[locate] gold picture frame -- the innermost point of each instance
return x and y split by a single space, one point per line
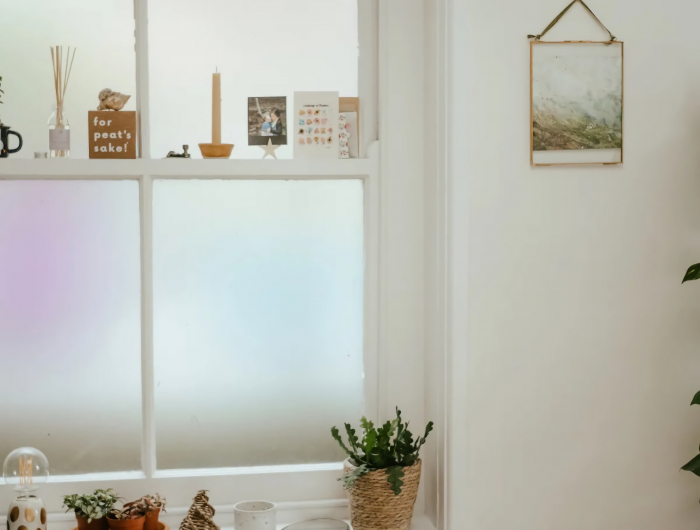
596 132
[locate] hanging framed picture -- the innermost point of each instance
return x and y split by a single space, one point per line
576 100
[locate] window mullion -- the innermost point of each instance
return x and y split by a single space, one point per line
148 435
142 78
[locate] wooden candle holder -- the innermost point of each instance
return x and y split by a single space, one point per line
216 150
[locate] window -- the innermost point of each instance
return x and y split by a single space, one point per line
102 32
181 277
70 323
269 48
258 320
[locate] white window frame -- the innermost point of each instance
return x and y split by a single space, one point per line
305 490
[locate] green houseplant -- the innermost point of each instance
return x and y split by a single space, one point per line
91 509
128 518
136 515
693 273
382 473
150 506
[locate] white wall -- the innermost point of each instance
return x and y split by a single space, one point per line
575 348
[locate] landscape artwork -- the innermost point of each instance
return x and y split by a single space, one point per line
576 96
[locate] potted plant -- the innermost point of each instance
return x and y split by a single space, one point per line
130 517
382 473
150 506
91 510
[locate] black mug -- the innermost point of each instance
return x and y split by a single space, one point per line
5 133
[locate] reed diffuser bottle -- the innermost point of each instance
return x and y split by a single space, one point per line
59 128
59 133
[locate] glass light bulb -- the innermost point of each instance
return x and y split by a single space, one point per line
26 468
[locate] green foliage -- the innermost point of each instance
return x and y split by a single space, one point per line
693 273
139 507
390 447
350 478
696 399
154 502
693 465
394 476
91 506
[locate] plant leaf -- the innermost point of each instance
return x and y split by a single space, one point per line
696 399
394 474
351 477
693 273
336 435
370 442
352 437
693 465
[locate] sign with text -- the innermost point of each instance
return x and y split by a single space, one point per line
112 134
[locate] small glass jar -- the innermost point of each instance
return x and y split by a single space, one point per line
59 133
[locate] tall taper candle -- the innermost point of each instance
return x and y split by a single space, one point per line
216 109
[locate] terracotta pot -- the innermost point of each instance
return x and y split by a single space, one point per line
95 524
152 520
126 524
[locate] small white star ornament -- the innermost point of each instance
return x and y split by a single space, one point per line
269 149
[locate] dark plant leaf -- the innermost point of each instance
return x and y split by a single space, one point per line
420 441
394 476
696 399
352 437
410 460
370 442
693 273
336 435
693 465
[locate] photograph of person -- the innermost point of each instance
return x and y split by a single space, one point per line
267 120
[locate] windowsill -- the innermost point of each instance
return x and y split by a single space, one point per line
64 521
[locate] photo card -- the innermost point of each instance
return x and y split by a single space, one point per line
267 120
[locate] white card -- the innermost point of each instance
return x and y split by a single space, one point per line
315 121
353 144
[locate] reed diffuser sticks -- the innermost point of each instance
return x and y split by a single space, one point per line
61 76
59 133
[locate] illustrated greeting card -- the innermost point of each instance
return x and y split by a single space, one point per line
316 125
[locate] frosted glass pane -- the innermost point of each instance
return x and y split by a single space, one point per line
258 320
103 33
262 48
70 323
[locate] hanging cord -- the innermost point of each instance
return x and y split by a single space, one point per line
558 18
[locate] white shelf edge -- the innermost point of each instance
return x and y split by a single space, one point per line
173 168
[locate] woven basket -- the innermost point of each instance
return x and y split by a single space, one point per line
373 506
